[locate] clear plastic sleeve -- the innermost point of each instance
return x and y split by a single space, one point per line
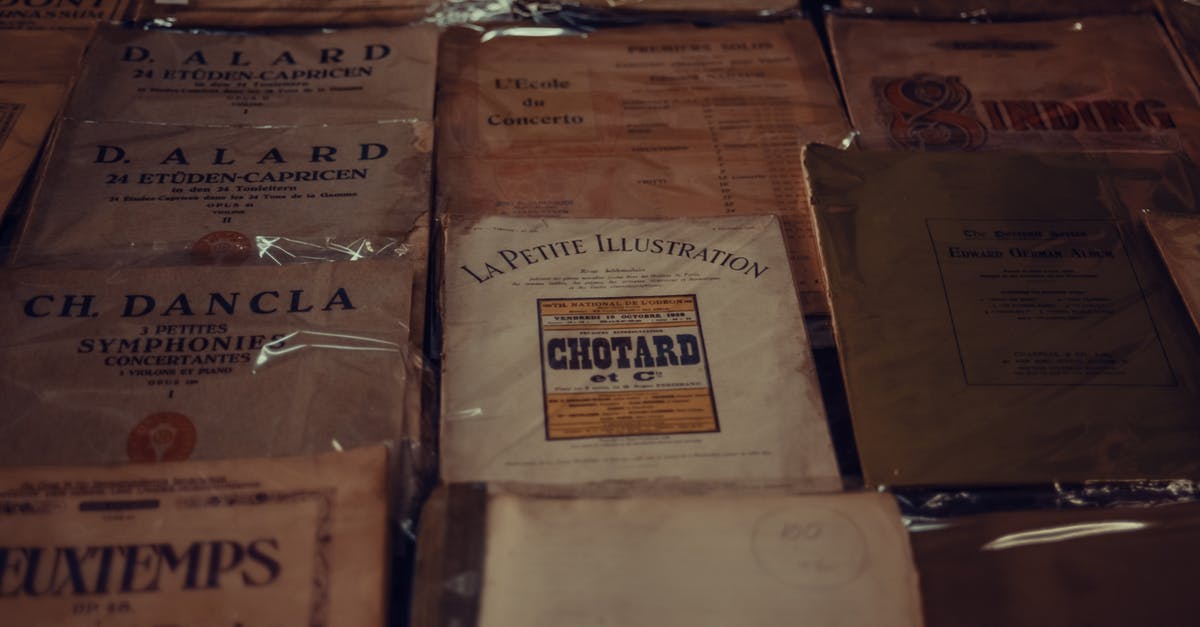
655 121
1097 567
1101 84
155 364
490 556
299 541
159 76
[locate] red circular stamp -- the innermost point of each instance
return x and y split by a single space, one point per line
162 437
222 248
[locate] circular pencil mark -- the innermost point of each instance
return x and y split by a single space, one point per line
162 437
222 248
809 546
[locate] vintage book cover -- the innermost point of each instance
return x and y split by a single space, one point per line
1101 83
259 13
984 9
1004 318
761 559
81 15
1101 568
332 77
26 112
150 364
296 541
41 56
664 121
1178 238
119 193
574 352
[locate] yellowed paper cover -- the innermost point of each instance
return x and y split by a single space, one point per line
26 113
162 365
122 192
705 561
671 121
356 75
255 13
1099 83
59 14
1002 318
983 9
1178 238
295 541
591 350
41 56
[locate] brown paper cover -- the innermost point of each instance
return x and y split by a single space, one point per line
119 193
704 375
60 14
1101 568
299 541
1098 83
26 112
258 13
41 56
355 75
1001 318
668 121
1178 238
695 560
1182 19
724 7
984 9
149 365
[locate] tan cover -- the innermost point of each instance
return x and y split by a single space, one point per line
257 13
1178 238
122 192
715 382
314 358
1099 83
1100 568
60 14
157 76
1182 18
298 541
41 56
983 9
744 7
696 561
26 112
667 121
1002 318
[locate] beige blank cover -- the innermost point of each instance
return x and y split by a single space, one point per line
297 541
353 75
148 365
570 357
750 559
1098 83
662 121
121 192
26 112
